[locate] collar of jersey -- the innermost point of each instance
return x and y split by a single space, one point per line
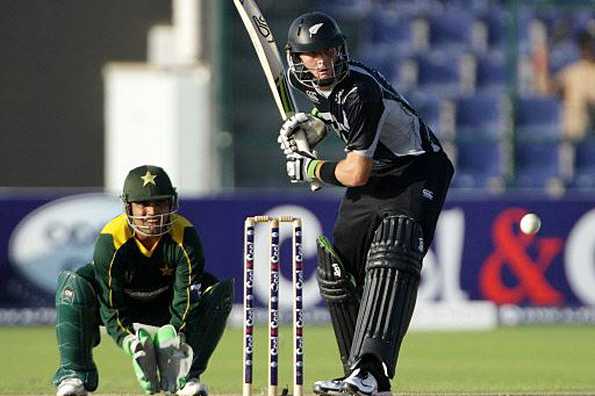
146 252
326 92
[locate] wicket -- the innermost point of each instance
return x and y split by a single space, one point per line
273 323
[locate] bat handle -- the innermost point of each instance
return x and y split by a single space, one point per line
302 145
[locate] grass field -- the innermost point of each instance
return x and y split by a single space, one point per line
527 360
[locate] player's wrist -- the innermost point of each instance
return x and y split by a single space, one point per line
327 173
312 169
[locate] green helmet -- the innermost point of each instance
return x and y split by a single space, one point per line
149 183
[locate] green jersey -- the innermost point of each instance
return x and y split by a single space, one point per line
154 286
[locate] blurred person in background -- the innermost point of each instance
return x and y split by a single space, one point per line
148 286
397 176
575 84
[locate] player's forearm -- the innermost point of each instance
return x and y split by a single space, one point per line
112 308
351 175
187 290
347 172
116 324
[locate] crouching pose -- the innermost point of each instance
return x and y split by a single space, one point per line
397 176
147 286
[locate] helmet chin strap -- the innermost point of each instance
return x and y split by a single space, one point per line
327 84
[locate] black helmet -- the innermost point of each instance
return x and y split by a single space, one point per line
149 183
313 32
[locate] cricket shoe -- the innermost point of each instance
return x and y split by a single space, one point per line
360 383
193 388
329 387
71 387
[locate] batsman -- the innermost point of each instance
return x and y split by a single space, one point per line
397 176
148 286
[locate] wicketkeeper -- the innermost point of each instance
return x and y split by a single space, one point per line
397 176
147 286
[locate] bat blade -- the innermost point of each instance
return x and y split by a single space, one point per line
267 51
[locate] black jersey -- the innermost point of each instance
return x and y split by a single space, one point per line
371 117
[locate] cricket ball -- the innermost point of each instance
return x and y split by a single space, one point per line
530 224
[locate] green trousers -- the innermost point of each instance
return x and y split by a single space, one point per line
78 321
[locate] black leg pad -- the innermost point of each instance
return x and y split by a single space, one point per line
338 289
390 290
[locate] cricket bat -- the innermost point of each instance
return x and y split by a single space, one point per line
265 46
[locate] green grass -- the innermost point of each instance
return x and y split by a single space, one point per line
526 360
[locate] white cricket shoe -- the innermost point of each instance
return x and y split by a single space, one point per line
328 387
193 388
360 383
71 387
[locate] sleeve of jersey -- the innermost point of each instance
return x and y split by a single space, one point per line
364 109
189 269
110 277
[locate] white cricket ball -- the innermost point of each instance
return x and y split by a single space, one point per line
530 223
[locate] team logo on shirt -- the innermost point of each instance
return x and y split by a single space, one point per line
166 270
128 276
314 29
342 96
313 96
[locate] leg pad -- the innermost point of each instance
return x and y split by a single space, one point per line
390 290
338 289
77 329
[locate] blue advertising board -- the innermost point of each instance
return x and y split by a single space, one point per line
478 254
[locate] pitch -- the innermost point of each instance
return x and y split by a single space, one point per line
506 361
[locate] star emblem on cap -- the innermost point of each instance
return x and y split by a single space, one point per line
148 178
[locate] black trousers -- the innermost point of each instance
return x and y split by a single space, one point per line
417 189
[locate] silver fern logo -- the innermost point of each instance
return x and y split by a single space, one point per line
314 29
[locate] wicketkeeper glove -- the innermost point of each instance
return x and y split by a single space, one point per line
174 358
301 168
313 128
144 360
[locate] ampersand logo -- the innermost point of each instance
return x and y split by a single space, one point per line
512 251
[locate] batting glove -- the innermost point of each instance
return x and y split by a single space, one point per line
313 129
301 168
144 360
